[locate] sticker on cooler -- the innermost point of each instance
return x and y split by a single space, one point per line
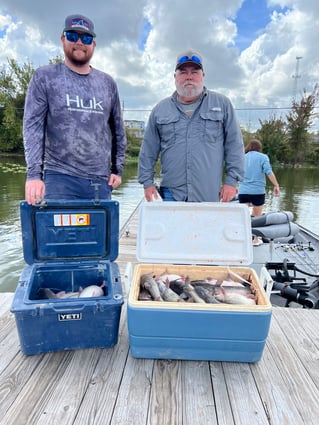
70 316
71 219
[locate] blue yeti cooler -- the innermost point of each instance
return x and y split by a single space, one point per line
68 246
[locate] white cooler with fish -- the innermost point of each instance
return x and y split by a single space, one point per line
70 294
204 244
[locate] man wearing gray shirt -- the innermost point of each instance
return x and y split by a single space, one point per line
73 130
197 137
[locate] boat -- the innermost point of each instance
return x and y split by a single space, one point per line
287 260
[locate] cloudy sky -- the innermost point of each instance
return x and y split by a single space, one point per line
249 46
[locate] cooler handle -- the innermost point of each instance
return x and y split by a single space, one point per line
266 281
128 277
68 308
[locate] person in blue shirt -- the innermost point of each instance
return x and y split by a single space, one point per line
252 189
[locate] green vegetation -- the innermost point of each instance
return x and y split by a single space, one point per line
14 80
133 148
287 140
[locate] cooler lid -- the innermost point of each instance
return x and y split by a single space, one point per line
210 233
72 230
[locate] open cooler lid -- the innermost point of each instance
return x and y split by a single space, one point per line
72 230
210 233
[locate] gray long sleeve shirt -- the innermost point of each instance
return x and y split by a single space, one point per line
73 124
194 151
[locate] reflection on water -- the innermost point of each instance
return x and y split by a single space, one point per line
299 194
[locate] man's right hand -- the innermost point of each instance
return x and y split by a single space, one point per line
34 191
151 194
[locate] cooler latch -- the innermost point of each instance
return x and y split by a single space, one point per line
96 192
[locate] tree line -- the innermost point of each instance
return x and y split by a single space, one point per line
286 139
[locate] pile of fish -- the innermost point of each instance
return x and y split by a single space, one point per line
175 288
87 292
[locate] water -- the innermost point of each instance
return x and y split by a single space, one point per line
299 194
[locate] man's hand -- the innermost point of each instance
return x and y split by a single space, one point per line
151 194
115 180
227 193
34 191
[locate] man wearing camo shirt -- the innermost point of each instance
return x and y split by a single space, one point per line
73 130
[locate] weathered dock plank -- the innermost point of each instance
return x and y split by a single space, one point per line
198 394
109 386
246 405
279 406
133 396
291 362
223 409
166 400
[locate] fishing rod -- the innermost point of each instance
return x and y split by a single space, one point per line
296 249
309 261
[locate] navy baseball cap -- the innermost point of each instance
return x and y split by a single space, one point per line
79 23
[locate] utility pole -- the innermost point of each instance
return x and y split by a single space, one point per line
295 77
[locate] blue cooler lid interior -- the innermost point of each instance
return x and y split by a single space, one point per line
70 231
209 233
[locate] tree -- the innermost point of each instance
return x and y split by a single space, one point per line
14 81
57 59
11 130
273 137
299 121
21 75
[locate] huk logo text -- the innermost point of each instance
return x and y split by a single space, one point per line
78 103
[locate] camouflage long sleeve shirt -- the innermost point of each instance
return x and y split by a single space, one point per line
73 124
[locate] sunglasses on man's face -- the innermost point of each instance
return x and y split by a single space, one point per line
74 36
189 58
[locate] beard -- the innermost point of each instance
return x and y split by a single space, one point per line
189 89
77 60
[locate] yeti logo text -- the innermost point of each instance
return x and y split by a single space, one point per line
78 103
69 316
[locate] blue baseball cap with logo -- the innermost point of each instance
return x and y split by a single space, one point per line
79 23
189 56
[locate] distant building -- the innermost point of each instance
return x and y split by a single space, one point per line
135 127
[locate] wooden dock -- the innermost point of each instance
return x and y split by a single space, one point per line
109 386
